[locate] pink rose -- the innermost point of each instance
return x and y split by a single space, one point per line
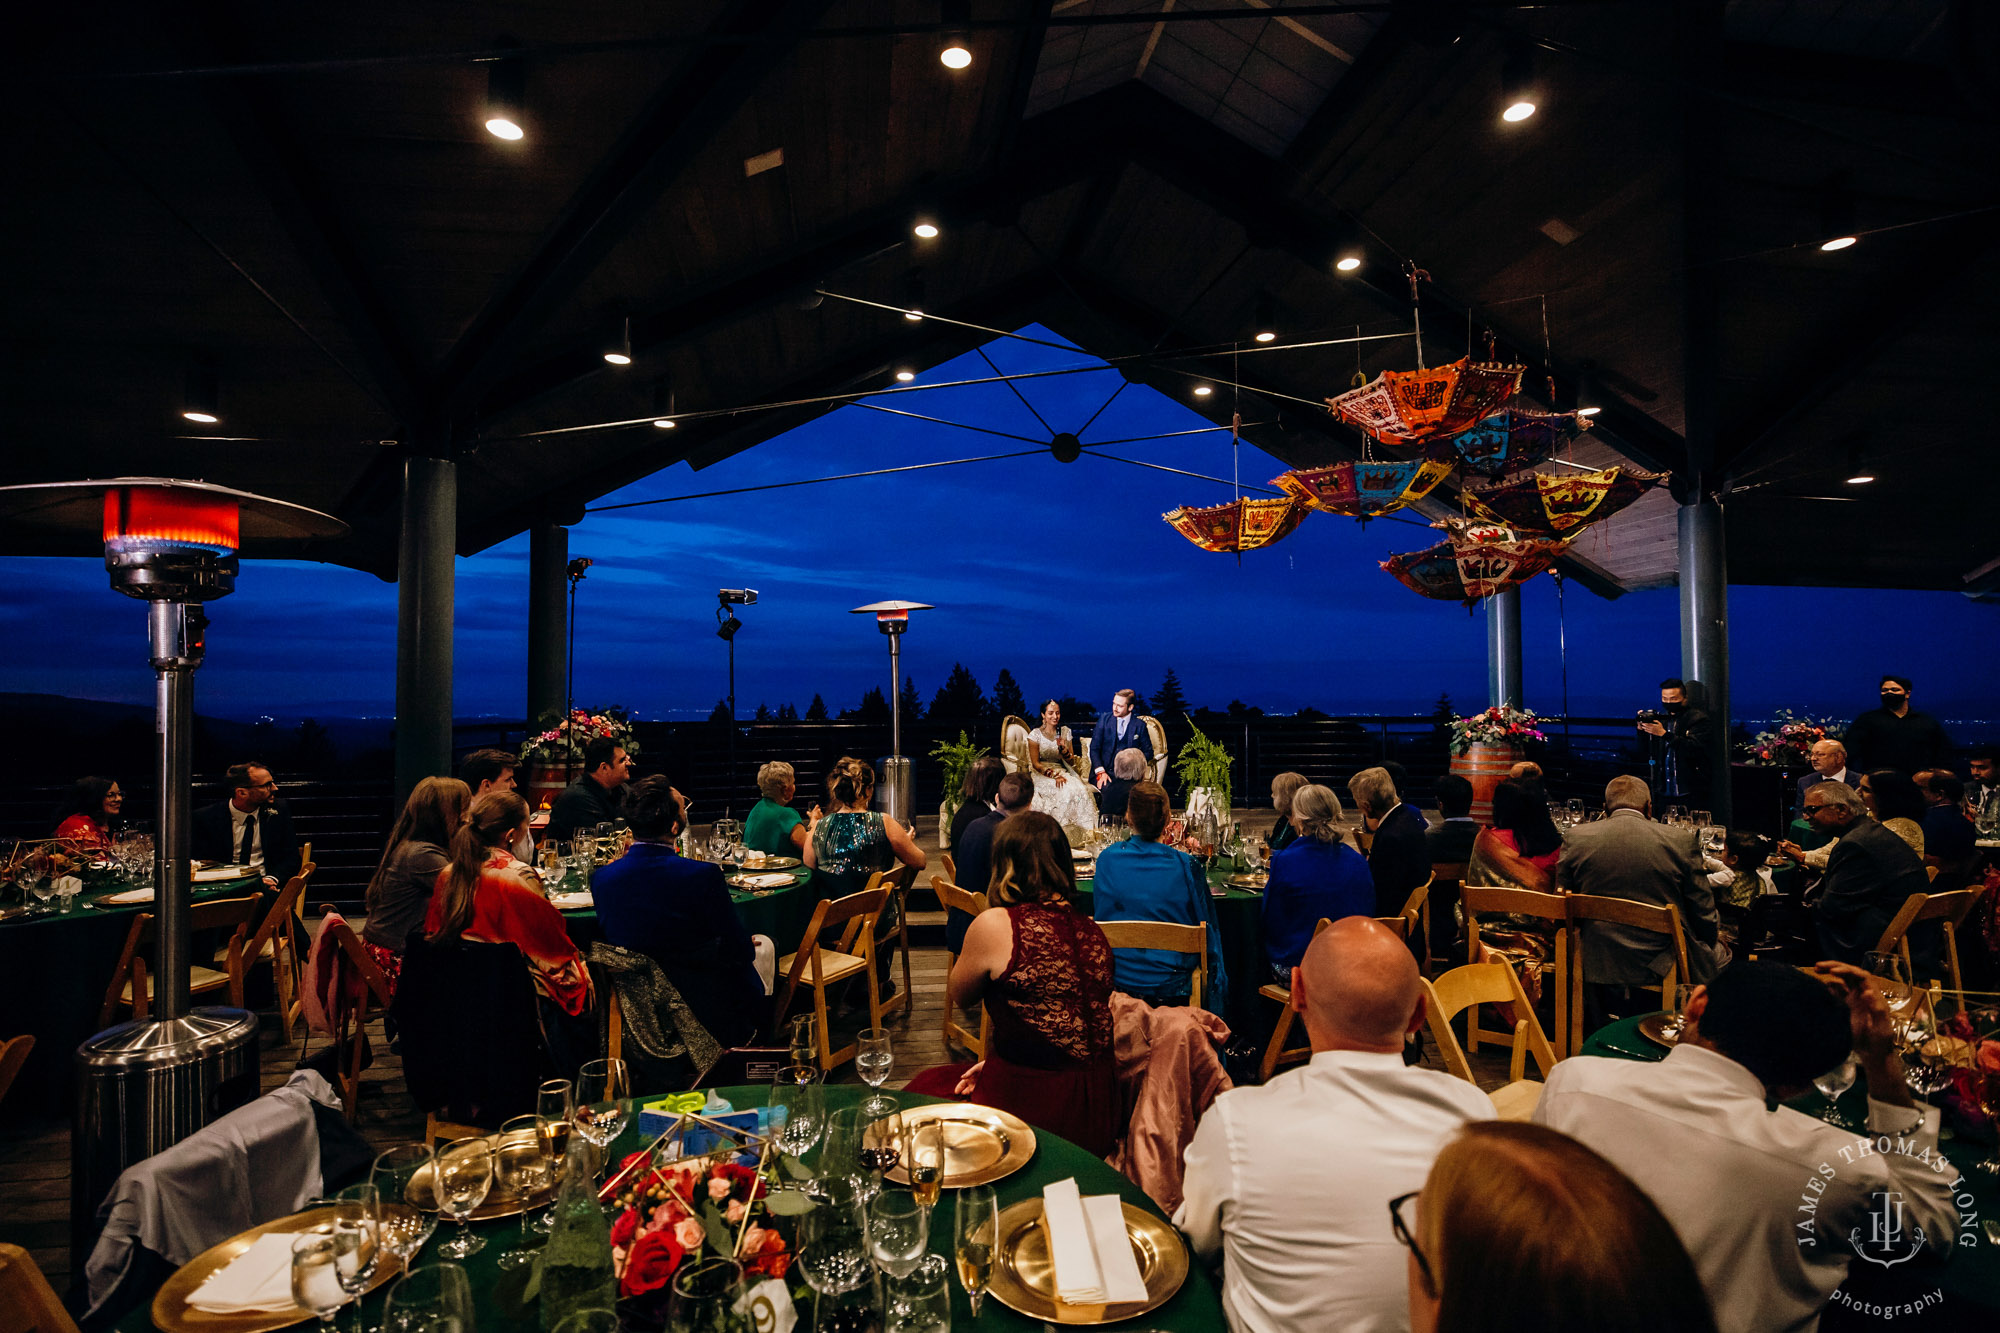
690 1233
718 1188
734 1212
753 1240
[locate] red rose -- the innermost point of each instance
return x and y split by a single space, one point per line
626 1227
652 1262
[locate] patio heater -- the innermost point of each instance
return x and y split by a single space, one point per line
143 1086
893 791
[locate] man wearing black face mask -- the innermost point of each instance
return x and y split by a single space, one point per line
1896 735
1682 733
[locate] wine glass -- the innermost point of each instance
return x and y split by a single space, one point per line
804 1107
705 1297
975 1228
522 1169
356 1228
874 1060
833 1239
919 1301
881 1150
406 1222
589 1321
1831 1084
554 1117
436 1298
461 1177
316 1275
1574 808
583 849
1928 1061
842 1153
1678 1023
899 1229
601 1089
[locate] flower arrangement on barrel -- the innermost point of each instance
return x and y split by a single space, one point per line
1498 725
1787 743
553 743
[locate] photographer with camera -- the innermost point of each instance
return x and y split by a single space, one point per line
1678 745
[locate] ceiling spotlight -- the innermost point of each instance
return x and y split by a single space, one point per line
1588 411
1517 84
905 376
1836 217
506 82
1837 243
956 15
619 353
925 229
1861 477
1266 329
913 296
198 395
1203 390
666 423
663 403
1348 263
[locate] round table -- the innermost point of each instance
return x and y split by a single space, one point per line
1972 1278
783 914
1239 915
54 970
1195 1308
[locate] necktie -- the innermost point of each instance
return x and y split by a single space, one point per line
249 839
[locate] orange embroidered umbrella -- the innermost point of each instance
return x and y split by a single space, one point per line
1413 405
1476 561
1240 525
1541 504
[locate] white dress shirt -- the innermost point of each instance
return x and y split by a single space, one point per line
1735 1179
1291 1181
237 819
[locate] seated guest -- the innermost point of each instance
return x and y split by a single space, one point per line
493 770
1059 791
774 828
1043 971
1014 793
1950 839
1399 857
1627 855
975 796
1522 847
1451 841
1982 766
405 879
1317 876
1117 730
1895 803
598 797
1521 1227
1696 1132
484 894
1739 875
1869 876
1140 879
1829 764
1288 1182
250 828
678 912
851 842
1128 769
1283 788
90 813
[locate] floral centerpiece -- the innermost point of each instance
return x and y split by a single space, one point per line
1498 725
558 737
1787 743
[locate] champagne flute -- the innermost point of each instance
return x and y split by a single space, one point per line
705 1295
975 1227
874 1060
316 1276
805 1042
554 1115
356 1228
406 1223
924 1154
919 1301
522 1169
1831 1085
461 1177
601 1089
899 1231
436 1298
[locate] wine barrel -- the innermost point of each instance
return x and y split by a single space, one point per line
542 783
1485 766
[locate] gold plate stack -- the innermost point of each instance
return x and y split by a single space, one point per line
981 1144
173 1314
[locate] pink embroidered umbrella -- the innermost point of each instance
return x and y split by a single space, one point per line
1413 405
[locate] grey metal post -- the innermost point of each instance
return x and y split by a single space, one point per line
1503 647
548 557
424 620
895 696
1705 634
168 629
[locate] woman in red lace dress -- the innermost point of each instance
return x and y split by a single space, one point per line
1043 970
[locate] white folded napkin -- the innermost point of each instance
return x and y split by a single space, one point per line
771 880
572 902
260 1278
1093 1257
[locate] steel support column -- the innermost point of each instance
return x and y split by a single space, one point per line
1503 648
424 620
1705 635
548 619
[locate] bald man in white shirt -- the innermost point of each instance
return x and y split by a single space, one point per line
1291 1181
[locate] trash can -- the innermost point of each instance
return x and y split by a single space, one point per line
143 1087
893 789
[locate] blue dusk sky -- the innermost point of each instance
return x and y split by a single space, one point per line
1062 573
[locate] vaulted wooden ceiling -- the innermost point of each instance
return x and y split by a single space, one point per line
304 197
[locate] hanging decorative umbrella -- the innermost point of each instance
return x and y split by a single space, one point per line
1477 560
1541 504
1368 488
1413 405
1242 524
1514 438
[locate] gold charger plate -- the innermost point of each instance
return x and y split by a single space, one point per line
1653 1027
501 1201
1024 1276
173 1314
981 1144
1248 879
774 863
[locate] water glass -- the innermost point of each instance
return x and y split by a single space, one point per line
975 1228
919 1301
841 1155
555 1117
461 1177
316 1275
705 1298
1831 1084
833 1240
875 1060
355 1225
436 1298
899 1231
522 1169
407 1220
804 1113
601 1089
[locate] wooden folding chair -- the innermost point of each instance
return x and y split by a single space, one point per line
1275 1052
897 881
1662 919
951 896
351 1022
28 1304
13 1054
1551 907
1417 908
820 968
1169 937
275 943
1447 877
130 984
1950 908
1400 925
950 869
1475 984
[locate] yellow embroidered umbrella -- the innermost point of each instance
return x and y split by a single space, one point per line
1240 525
1543 504
1413 405
1369 488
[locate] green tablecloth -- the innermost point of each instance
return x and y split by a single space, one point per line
1239 915
1972 1278
54 971
1195 1308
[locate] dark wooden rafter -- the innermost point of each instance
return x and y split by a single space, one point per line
1021 78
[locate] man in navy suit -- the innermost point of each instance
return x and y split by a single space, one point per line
1121 729
1829 764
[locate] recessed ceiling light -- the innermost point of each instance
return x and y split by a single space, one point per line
905 376
619 352
925 230
1588 411
506 89
1202 390
1517 84
913 315
1518 111
1861 478
1348 263
205 418
200 396
1267 336
955 56
502 128
666 423
1838 243
618 358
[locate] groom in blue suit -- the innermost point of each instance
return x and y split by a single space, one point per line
1121 729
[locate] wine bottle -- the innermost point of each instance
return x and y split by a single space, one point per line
576 1263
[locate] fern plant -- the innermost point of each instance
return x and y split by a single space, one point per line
956 758
1204 763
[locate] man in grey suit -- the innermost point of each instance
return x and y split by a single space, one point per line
1869 877
1627 855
